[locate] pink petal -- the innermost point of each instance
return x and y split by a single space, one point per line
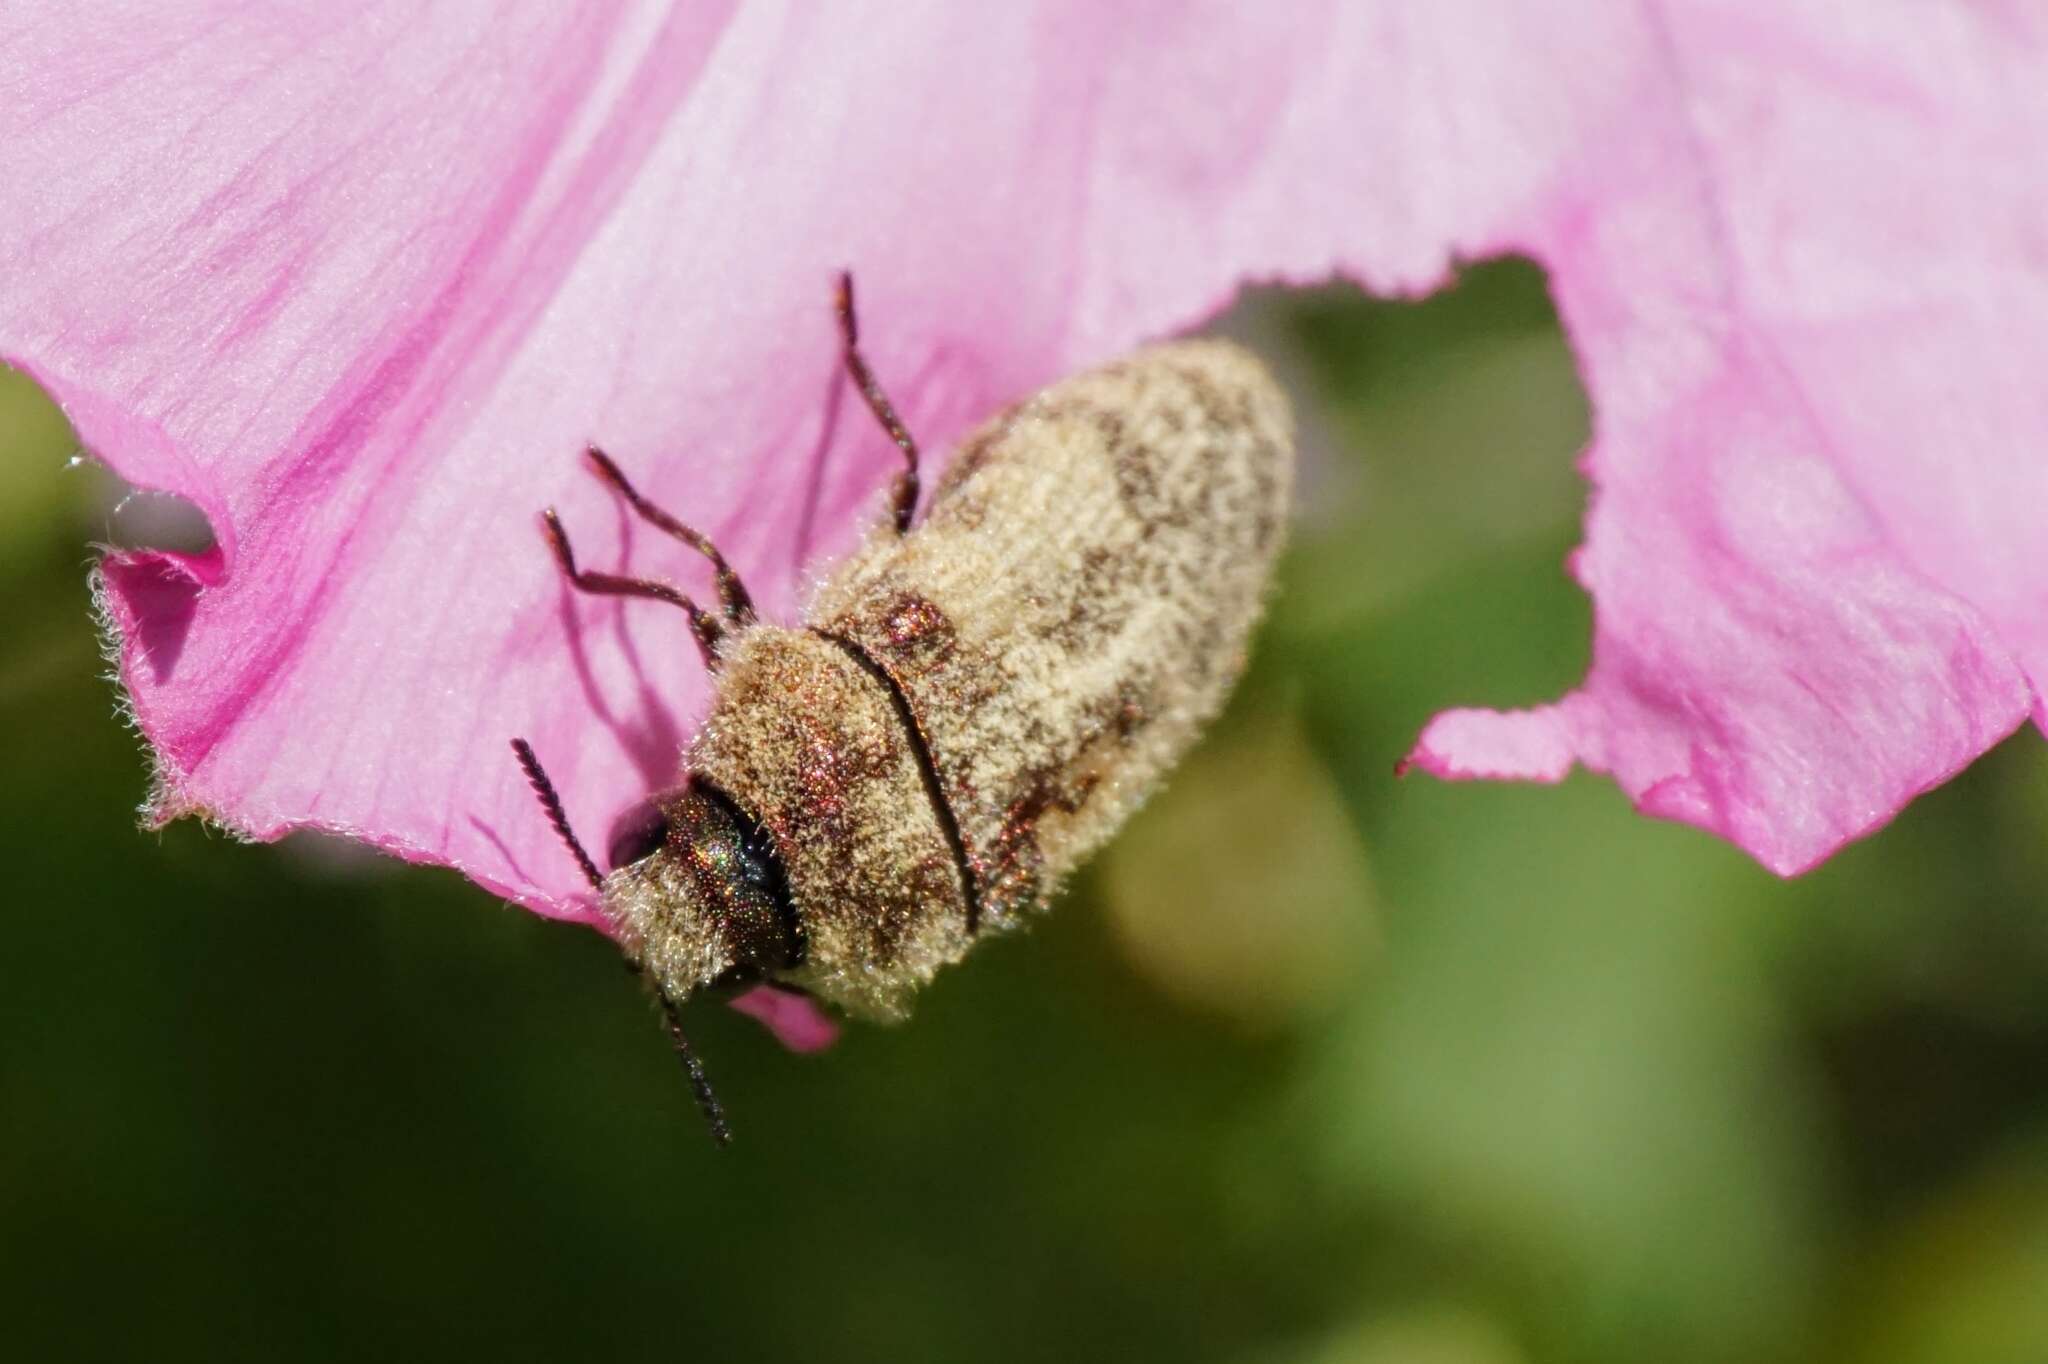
1812 305
796 1021
361 287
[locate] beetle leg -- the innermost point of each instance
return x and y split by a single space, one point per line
709 630
735 604
906 488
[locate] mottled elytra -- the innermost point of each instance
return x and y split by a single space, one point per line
970 705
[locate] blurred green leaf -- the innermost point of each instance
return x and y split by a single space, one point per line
1242 890
1967 1281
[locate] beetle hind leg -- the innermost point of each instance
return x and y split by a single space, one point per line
904 497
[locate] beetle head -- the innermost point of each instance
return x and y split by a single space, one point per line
699 895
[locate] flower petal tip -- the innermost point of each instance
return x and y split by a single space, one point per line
796 1020
1466 745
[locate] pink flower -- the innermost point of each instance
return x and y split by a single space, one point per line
362 286
1808 285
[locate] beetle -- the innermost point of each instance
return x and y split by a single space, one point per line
972 702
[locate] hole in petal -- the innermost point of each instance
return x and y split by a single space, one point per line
163 555
1439 453
316 852
142 518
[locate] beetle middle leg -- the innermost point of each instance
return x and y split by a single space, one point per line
709 630
906 488
735 604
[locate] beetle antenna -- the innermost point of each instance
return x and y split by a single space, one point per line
700 1083
552 803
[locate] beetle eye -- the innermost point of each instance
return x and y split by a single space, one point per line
639 833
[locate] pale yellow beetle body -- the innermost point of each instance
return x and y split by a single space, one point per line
971 704
971 707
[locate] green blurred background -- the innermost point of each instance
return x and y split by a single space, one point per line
1314 1065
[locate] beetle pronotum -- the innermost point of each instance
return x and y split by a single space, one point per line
972 703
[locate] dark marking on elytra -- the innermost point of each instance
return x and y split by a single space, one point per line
1267 518
1013 868
1108 424
927 768
1015 865
968 460
833 768
920 634
1136 469
1223 411
1098 602
1133 712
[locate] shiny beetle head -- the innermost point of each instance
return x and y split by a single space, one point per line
700 897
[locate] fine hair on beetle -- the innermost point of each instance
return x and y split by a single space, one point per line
973 702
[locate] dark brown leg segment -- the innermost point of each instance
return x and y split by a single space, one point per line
878 402
708 630
736 605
